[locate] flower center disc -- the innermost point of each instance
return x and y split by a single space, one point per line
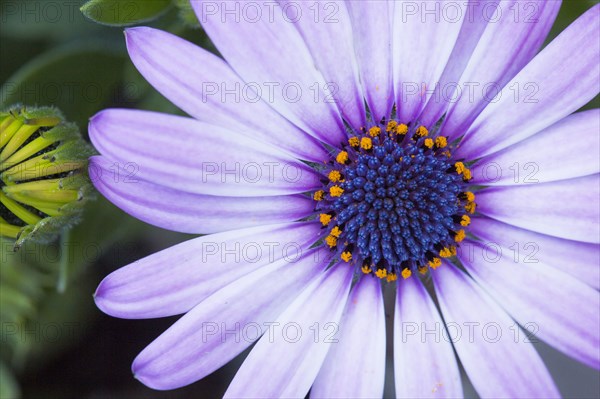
394 200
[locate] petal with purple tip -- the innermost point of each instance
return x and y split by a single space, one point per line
186 212
224 324
176 279
204 86
286 361
187 155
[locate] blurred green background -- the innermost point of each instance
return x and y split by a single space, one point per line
54 342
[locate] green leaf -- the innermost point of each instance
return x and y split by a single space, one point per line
9 388
122 13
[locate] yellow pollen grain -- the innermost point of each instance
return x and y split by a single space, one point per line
441 142
391 277
354 141
470 196
346 256
406 273
460 235
374 131
366 269
423 269
467 174
336 232
366 143
324 219
470 207
428 143
465 221
335 176
446 253
460 167
342 157
401 129
331 241
422 131
318 195
336 191
381 273
435 263
391 126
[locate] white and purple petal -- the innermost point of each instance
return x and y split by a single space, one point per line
496 355
355 364
424 362
264 47
225 323
550 155
578 259
551 304
566 208
186 212
540 95
187 155
204 86
496 60
326 28
373 46
287 359
176 279
424 35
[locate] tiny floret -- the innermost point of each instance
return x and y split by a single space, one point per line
366 143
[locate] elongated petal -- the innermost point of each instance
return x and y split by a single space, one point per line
326 28
447 89
498 365
355 365
276 57
205 87
424 363
224 324
579 259
187 155
373 46
558 81
569 321
497 60
285 363
547 156
566 209
176 279
186 212
419 54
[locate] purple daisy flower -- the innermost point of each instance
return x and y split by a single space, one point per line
344 150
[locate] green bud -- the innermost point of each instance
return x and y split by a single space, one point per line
43 174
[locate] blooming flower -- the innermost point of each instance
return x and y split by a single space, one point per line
359 145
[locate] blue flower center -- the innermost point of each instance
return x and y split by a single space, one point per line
395 201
